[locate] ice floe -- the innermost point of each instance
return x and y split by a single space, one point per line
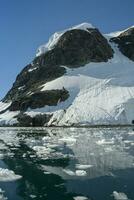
8 175
79 166
120 196
2 196
81 198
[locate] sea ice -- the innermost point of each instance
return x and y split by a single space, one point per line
120 196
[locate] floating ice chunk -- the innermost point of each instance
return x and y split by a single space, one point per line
81 173
32 156
52 145
24 155
108 149
79 166
68 140
8 175
81 198
46 138
41 150
105 142
46 172
131 133
120 196
2 195
127 141
33 196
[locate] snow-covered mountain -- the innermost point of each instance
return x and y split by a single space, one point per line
80 77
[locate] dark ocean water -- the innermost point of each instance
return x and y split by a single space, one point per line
67 164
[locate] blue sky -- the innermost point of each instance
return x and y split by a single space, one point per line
25 24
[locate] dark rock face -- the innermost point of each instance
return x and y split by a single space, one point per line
39 120
125 42
39 99
80 47
31 81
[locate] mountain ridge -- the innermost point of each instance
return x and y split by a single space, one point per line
83 77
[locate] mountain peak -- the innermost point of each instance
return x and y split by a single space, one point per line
83 26
117 33
56 36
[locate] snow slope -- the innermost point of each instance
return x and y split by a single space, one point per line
4 106
7 117
117 33
100 93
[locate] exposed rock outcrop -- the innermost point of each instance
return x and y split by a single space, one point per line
28 81
39 99
38 120
125 42
78 47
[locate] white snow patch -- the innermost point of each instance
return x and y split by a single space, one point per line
8 117
21 88
117 33
83 26
29 93
4 106
32 69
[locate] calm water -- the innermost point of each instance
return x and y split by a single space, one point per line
67 164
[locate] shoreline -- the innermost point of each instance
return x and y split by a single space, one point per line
74 126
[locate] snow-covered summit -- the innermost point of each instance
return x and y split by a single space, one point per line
83 26
117 33
56 36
